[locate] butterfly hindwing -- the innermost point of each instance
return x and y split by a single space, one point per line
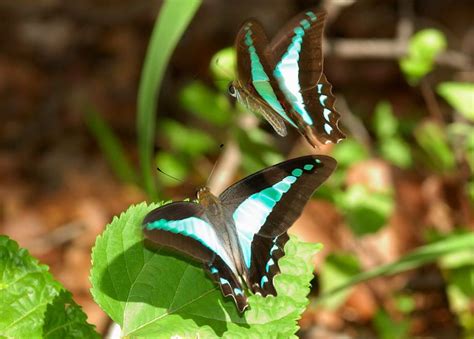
264 267
268 202
228 282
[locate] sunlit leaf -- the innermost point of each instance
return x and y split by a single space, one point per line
460 95
186 140
206 104
32 303
396 151
385 123
349 152
160 294
171 165
433 141
388 328
366 211
337 269
223 67
424 47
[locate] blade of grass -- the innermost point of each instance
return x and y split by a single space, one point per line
172 20
421 256
110 146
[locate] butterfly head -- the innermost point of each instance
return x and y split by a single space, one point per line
206 198
232 89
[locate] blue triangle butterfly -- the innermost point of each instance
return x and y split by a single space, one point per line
283 79
242 232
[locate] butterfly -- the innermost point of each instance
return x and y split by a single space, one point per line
283 80
241 233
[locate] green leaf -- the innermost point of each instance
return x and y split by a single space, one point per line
160 294
171 165
32 303
206 104
388 328
433 141
460 95
396 151
337 269
419 257
26 289
349 152
182 139
423 49
223 67
385 123
110 146
65 319
366 211
172 20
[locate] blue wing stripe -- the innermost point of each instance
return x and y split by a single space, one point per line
196 229
260 79
287 70
252 213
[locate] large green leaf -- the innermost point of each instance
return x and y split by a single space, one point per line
172 20
160 294
32 303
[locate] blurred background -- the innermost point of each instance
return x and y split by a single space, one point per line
82 132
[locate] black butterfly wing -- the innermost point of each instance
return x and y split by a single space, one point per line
264 205
184 227
298 69
259 91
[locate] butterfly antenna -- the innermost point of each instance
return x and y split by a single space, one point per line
168 175
214 167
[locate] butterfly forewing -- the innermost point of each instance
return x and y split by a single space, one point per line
265 204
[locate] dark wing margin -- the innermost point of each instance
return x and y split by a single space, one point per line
313 170
228 283
319 102
264 267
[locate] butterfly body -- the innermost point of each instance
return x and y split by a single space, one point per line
283 80
240 235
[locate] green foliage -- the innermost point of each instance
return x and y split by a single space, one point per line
433 142
172 20
65 319
458 270
337 269
392 147
206 104
223 67
110 146
33 304
349 153
366 212
387 328
172 165
460 95
182 139
423 49
421 256
158 294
